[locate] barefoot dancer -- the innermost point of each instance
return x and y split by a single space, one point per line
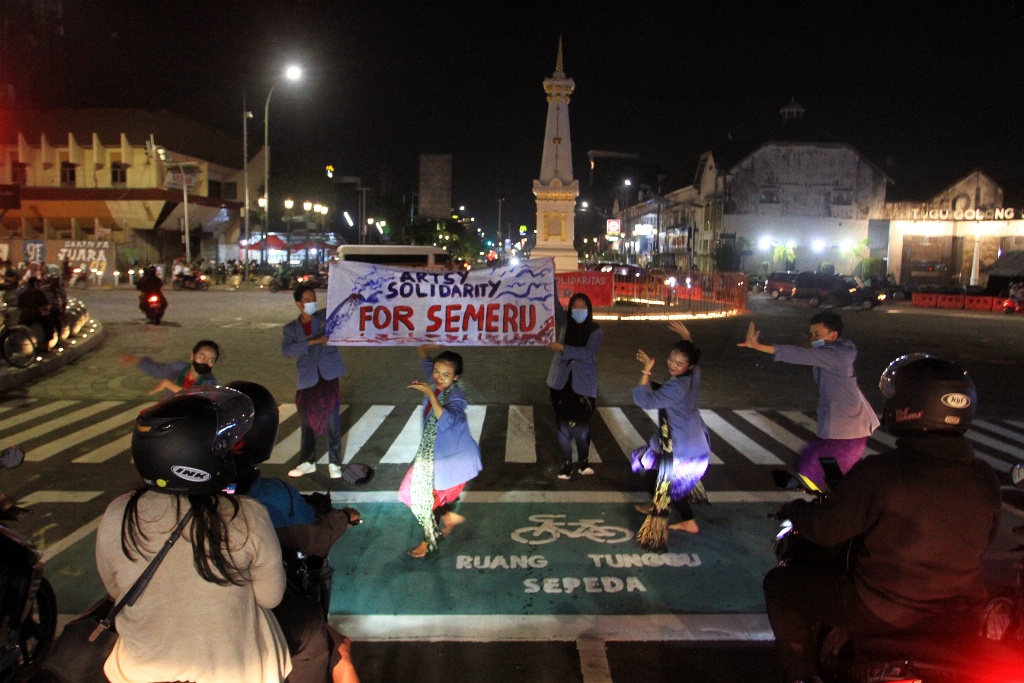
448 456
682 444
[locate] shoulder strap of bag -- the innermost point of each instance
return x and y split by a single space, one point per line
140 584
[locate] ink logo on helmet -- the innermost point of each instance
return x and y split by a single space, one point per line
190 473
956 400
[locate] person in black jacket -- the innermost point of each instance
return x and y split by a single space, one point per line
923 516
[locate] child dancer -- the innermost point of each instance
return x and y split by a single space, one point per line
447 457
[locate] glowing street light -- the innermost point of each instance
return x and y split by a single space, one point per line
293 73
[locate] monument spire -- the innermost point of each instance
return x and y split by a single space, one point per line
556 189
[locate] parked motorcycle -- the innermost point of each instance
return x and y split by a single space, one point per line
28 626
943 654
1013 306
153 305
199 282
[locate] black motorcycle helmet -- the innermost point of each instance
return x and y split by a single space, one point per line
258 443
924 393
182 445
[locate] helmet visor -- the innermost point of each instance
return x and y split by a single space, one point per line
887 382
234 413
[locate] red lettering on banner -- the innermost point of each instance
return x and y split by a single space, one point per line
435 320
403 315
365 313
473 313
527 322
510 318
451 318
381 317
492 317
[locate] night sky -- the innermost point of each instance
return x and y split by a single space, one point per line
921 88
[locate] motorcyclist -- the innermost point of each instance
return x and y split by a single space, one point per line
319 653
150 282
923 514
204 615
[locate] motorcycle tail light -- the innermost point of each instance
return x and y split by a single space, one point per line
154 299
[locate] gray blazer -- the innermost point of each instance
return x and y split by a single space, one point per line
581 361
843 412
312 362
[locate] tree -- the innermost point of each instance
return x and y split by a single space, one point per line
784 254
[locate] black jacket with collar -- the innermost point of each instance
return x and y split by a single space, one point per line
924 514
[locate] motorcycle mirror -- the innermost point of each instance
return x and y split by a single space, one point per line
1017 474
11 457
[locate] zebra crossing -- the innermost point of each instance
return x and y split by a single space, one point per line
71 433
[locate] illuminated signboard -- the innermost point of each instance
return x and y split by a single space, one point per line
613 227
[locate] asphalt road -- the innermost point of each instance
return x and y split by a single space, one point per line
739 385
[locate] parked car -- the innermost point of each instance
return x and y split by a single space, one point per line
827 289
780 284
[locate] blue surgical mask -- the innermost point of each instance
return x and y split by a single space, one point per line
579 315
309 308
817 343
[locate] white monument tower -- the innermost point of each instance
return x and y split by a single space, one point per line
556 190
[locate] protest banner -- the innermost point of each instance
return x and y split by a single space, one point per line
596 285
375 305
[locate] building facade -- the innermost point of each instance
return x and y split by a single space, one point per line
117 176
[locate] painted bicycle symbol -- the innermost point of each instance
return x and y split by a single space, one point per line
548 530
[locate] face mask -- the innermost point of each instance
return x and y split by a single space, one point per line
817 343
309 308
201 368
579 315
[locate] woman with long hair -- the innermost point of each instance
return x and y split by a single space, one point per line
681 448
572 380
205 616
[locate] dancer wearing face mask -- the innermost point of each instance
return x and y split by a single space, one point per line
572 380
318 398
845 418
196 371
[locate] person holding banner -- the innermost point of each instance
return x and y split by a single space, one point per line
572 380
318 398
680 450
447 457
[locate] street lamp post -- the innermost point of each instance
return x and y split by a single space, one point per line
293 73
246 115
288 205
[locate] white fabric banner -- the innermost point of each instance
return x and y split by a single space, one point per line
373 305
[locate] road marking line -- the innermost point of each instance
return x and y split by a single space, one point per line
356 437
996 463
54 447
996 429
625 434
544 627
104 453
15 404
53 425
63 544
563 497
403 448
45 409
50 496
995 444
1016 423
288 447
593 660
746 446
774 430
712 459
812 425
521 435
475 419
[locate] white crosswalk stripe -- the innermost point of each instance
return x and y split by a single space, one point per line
754 451
756 437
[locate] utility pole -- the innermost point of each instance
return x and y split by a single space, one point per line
501 200
246 115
